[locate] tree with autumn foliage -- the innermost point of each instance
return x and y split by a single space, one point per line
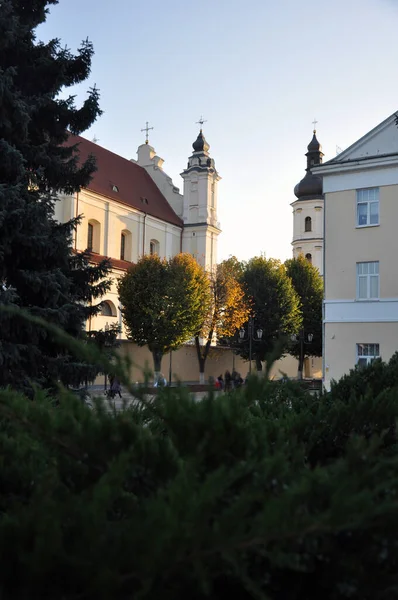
164 302
228 310
308 285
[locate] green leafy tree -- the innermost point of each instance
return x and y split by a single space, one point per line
268 492
38 269
164 302
308 284
228 309
275 307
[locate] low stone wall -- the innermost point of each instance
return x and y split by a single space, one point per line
185 367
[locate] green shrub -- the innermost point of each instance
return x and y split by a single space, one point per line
267 492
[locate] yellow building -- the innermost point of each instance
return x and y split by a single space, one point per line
132 208
360 188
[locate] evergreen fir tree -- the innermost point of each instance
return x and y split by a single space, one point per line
38 269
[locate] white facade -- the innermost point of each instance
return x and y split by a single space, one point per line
197 206
308 230
126 214
361 271
153 164
201 226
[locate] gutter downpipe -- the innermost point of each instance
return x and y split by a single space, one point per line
77 214
143 235
324 292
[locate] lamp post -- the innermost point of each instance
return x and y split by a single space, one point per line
106 331
303 339
251 338
170 367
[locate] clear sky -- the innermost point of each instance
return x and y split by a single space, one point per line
259 71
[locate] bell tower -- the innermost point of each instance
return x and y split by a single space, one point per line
201 226
308 209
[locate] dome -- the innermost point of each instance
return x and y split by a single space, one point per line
200 144
314 145
309 187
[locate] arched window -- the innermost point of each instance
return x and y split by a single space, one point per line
125 245
308 224
90 236
93 236
153 247
108 309
309 258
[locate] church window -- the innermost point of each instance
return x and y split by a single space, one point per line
115 188
93 236
108 309
90 236
308 224
125 245
153 247
309 257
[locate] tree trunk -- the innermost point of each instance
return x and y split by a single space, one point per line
202 356
157 362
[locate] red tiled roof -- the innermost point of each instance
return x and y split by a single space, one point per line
132 181
116 263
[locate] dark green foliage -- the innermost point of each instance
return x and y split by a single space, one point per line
267 493
275 306
38 269
308 285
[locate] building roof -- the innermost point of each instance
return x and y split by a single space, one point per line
116 263
310 187
124 181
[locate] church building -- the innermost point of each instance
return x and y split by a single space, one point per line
308 210
131 208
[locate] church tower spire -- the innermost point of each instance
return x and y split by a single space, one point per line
201 227
308 209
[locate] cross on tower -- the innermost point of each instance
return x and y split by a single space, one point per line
146 129
314 122
201 121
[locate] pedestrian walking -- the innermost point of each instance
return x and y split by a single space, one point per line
116 388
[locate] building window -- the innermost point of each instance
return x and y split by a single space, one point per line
93 236
153 247
308 224
368 280
122 246
309 258
108 309
367 353
90 237
367 207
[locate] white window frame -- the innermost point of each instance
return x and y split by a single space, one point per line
366 197
367 352
368 277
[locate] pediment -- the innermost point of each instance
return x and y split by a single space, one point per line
382 140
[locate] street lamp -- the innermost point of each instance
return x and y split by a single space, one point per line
303 340
251 338
106 331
